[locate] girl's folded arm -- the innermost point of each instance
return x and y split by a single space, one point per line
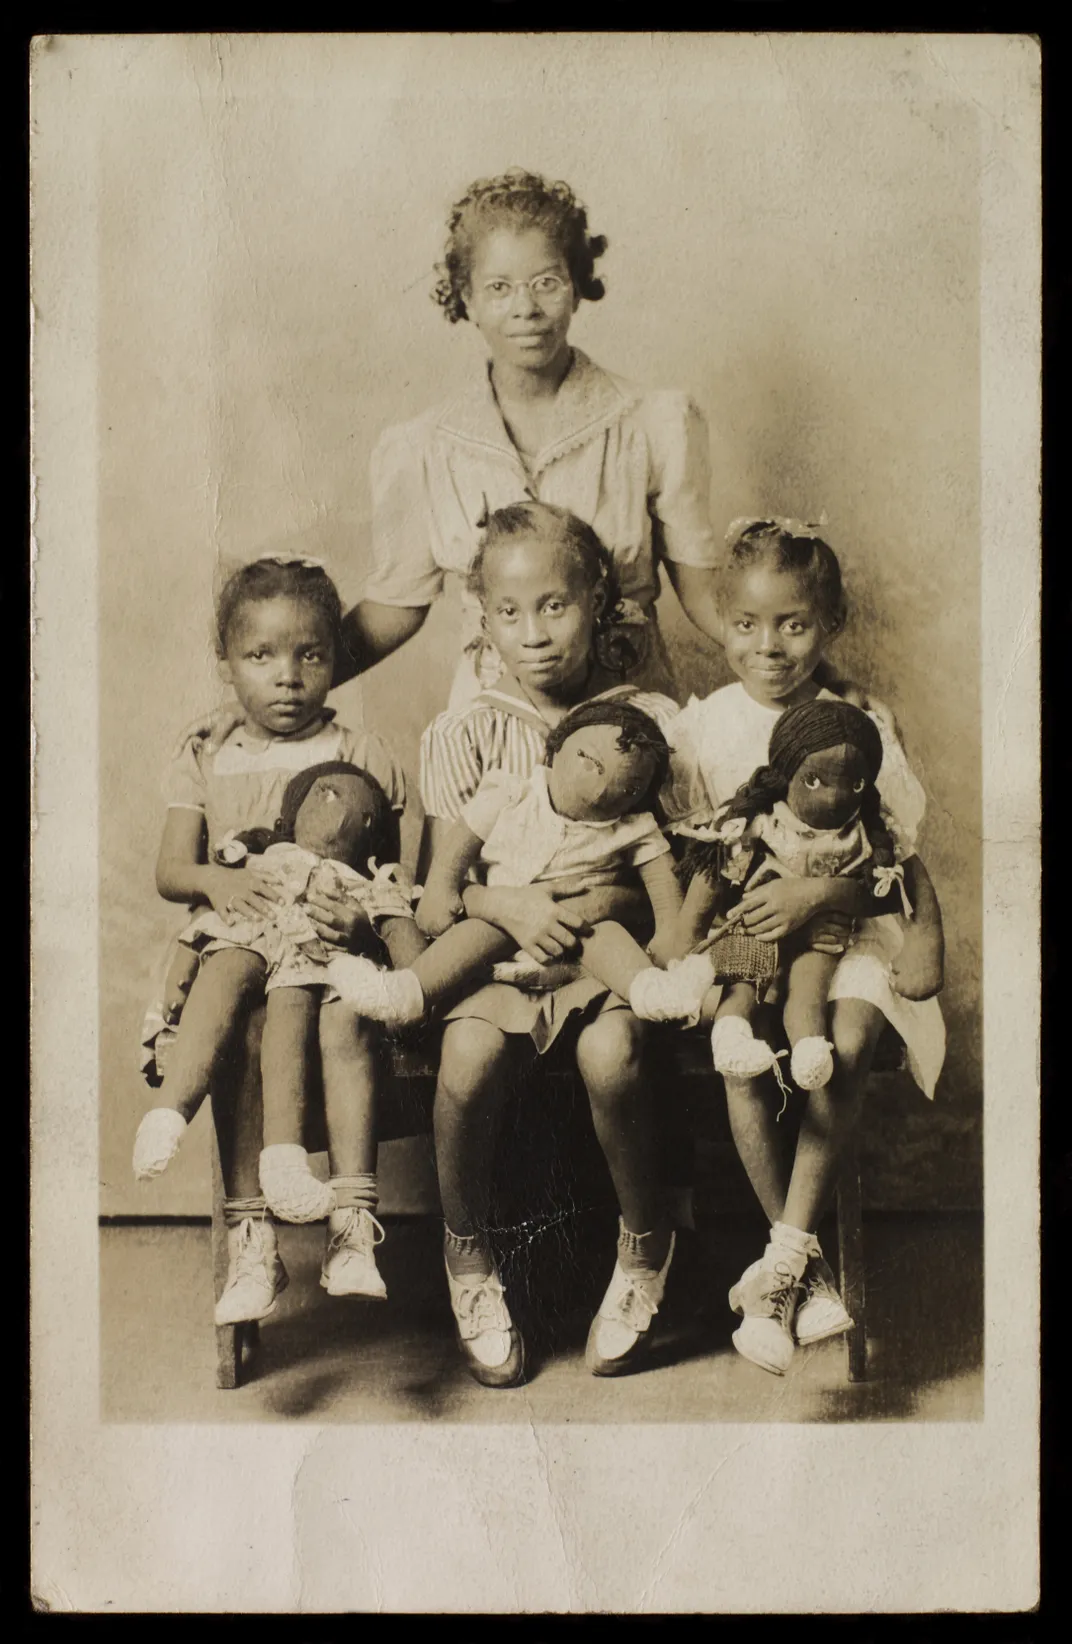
918 970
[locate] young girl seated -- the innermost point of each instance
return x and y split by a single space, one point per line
584 813
813 811
782 602
277 628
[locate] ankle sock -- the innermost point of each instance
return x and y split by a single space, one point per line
355 1192
239 1210
468 1255
637 1248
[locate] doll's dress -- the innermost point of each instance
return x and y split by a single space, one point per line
288 941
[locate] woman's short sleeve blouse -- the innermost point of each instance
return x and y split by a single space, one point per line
632 462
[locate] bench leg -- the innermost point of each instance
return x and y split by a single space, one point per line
234 1342
851 1262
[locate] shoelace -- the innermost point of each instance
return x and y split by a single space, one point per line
250 1258
352 1233
781 1293
481 1307
635 1307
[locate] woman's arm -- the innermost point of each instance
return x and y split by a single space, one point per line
695 588
372 631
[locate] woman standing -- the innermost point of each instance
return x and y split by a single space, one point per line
541 422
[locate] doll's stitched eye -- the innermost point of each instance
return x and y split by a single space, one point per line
858 787
812 783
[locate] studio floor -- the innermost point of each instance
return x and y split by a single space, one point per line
325 1360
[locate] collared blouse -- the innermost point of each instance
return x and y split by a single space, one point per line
632 462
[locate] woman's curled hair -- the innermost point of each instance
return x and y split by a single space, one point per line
520 200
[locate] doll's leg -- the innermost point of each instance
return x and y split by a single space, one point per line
213 1015
351 1057
610 1057
833 1112
401 998
471 1092
808 980
288 1050
614 958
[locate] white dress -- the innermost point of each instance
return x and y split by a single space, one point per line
721 740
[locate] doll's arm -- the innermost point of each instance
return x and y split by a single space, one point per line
695 915
918 970
441 905
664 894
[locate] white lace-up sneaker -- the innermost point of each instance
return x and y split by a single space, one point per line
489 1341
821 1312
255 1275
768 1294
349 1267
622 1330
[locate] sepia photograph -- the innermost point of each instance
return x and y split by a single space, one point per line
536 554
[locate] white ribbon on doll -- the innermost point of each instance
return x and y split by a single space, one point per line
886 878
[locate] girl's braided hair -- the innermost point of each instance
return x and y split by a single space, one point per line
636 729
544 519
383 834
277 577
517 199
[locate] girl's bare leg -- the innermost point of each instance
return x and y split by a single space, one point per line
471 1093
212 1017
352 1064
753 1105
832 1113
610 1054
237 1110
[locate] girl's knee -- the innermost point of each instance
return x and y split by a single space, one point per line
610 1050
855 1033
472 1056
340 1028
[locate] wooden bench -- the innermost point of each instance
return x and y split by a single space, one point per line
407 1108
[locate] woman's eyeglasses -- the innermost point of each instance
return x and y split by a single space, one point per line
546 289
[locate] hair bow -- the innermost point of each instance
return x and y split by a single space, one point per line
791 527
306 561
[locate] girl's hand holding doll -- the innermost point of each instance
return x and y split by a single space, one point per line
773 910
249 892
336 918
538 924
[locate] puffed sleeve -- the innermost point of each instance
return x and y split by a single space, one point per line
679 500
372 754
497 790
687 803
404 571
451 765
903 800
185 786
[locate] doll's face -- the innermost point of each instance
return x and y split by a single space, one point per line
828 786
336 818
593 779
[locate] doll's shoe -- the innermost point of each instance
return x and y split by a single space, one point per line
393 997
349 1267
529 974
255 1275
291 1190
821 1312
623 1329
738 1052
675 994
157 1142
812 1063
493 1351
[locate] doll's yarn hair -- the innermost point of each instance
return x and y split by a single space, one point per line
277 577
383 834
521 200
636 729
775 544
552 524
808 728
